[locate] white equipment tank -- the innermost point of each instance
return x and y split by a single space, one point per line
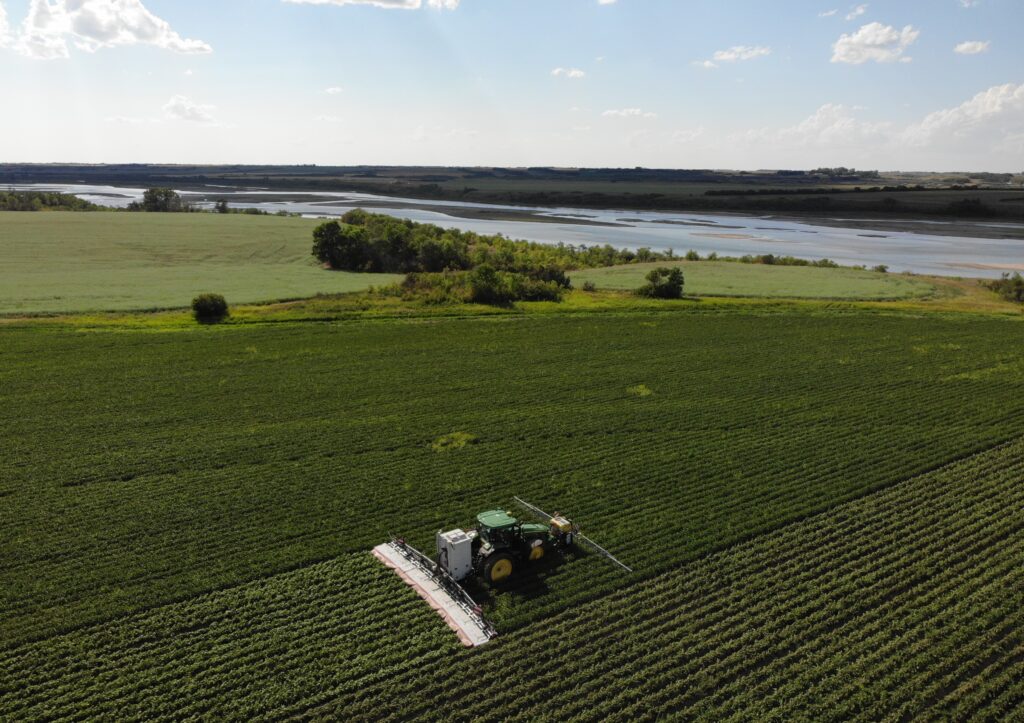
455 553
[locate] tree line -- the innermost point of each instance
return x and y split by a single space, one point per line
452 265
43 201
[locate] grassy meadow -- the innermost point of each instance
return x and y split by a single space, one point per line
75 262
721 278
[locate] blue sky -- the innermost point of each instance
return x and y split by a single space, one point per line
893 84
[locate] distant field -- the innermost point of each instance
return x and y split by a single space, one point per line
719 278
66 262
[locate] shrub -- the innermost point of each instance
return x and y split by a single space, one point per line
692 255
483 285
663 283
589 286
1009 287
881 268
209 308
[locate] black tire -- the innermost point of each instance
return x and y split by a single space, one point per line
499 567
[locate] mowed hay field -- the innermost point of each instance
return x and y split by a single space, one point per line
71 262
823 512
722 278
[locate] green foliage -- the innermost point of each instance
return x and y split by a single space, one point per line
663 283
221 206
880 269
455 440
160 200
43 201
209 308
482 285
363 241
1009 287
692 255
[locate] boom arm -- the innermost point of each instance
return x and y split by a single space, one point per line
582 538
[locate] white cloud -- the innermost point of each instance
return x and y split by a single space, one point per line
827 13
390 4
972 47
741 52
93 24
5 28
706 64
687 136
606 2
970 3
874 41
629 113
572 73
857 11
992 116
334 90
185 109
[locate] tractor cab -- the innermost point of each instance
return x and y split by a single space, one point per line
503 543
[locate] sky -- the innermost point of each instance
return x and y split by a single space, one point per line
740 84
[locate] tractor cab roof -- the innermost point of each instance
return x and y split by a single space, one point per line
496 520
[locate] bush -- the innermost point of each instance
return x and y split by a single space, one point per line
881 268
663 283
1009 287
483 285
209 308
589 286
692 255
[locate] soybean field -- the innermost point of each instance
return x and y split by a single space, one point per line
811 501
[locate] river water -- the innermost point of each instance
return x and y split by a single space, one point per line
727 235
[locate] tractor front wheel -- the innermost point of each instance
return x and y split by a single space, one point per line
499 567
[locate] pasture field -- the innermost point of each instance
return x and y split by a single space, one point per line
187 514
722 278
88 262
74 262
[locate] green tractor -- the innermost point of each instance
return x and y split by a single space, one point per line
504 544
494 551
500 544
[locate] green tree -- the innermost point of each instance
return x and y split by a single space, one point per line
159 200
663 283
343 248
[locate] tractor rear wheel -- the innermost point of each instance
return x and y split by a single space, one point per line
499 567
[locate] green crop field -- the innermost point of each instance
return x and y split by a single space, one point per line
823 510
69 262
720 278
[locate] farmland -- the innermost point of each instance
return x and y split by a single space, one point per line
718 278
63 262
196 505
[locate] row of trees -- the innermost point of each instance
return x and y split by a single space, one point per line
363 241
43 201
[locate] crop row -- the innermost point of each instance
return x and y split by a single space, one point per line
902 602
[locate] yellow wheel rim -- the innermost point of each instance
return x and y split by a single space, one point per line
537 552
501 570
